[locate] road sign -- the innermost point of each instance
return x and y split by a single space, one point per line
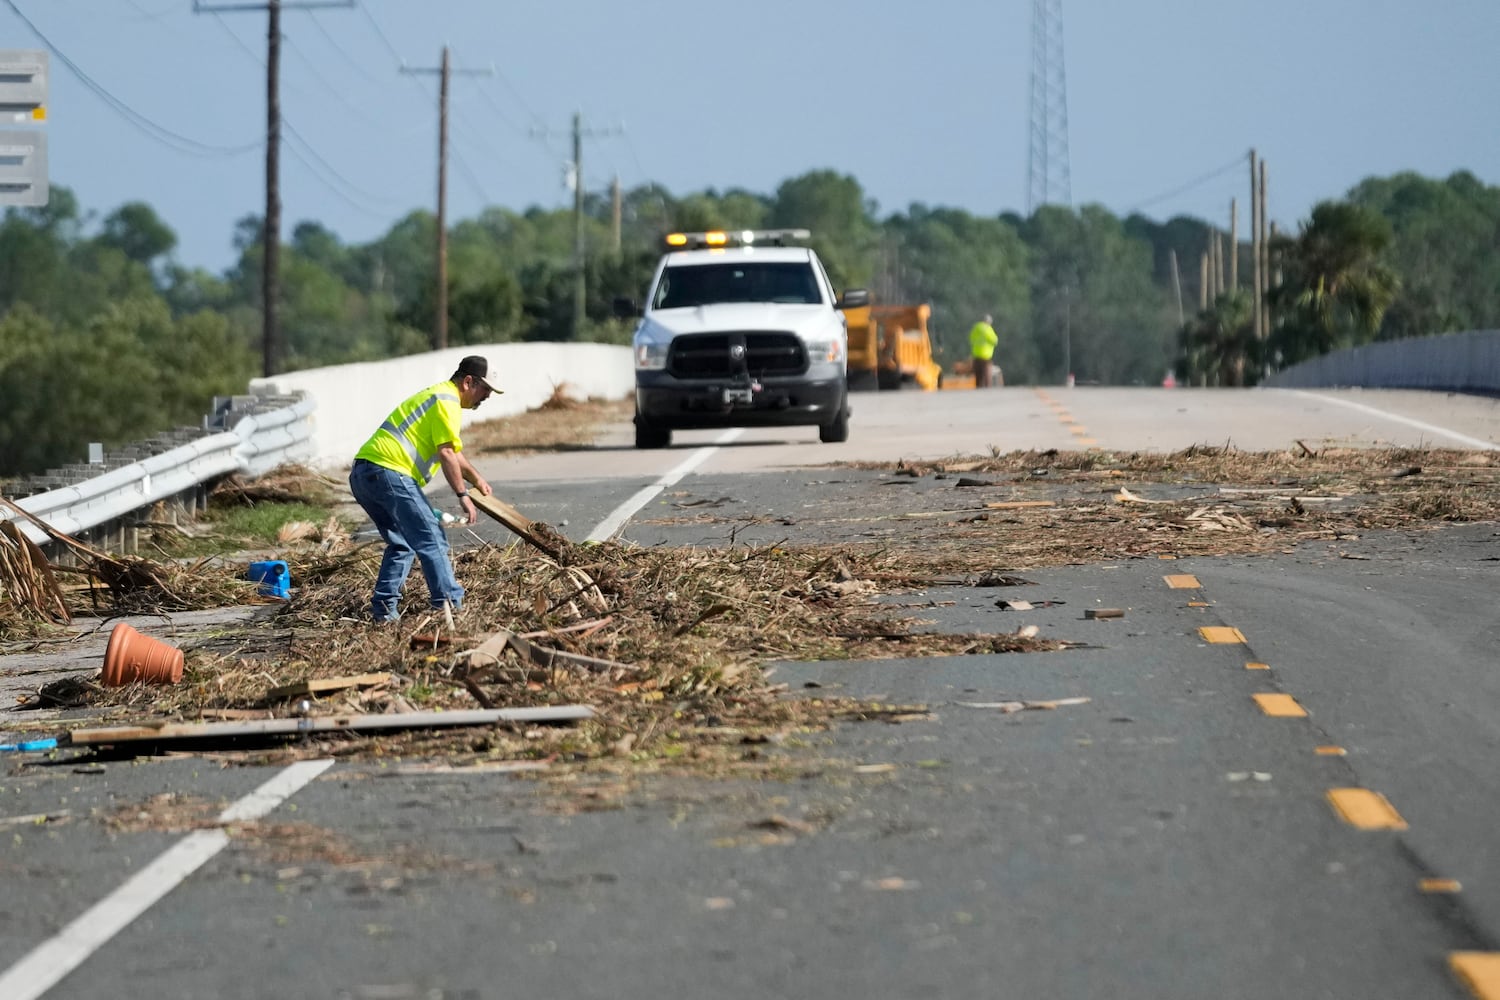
23 167
23 81
23 153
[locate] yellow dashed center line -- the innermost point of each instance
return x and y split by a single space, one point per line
1480 972
1221 633
1257 666
1330 751
1182 581
1282 706
1367 810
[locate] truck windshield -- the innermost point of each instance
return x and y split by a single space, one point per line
709 284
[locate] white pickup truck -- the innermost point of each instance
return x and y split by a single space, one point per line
741 329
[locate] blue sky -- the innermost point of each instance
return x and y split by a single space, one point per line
920 102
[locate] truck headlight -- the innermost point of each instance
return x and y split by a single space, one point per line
826 350
650 355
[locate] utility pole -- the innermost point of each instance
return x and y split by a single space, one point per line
1177 287
270 284
579 291
616 204
1257 319
1266 231
575 173
440 317
1234 245
1068 335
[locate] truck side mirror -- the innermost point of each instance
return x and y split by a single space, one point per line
854 298
625 308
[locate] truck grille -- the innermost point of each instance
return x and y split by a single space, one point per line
712 355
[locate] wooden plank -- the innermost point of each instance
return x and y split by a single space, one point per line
168 731
514 520
490 652
326 684
1104 612
1019 504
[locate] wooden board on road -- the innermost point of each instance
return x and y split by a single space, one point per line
514 520
168 731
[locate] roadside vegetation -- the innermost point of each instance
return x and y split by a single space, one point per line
105 334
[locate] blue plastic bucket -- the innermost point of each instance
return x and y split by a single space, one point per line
274 578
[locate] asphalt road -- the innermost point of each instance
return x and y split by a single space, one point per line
1166 838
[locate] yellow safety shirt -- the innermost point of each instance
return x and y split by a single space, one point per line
982 340
409 439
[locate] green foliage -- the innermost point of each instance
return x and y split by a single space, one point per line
1218 347
842 221
131 371
1094 303
138 232
966 267
1335 288
1444 243
107 335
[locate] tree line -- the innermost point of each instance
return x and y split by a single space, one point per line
103 334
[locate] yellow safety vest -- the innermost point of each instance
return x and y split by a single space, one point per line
409 439
982 341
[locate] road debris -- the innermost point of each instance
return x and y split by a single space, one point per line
1024 706
228 732
326 685
1103 613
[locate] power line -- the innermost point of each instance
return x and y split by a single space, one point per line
313 17
292 131
502 114
338 95
471 177
152 129
146 15
1234 164
364 9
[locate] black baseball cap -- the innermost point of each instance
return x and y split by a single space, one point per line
479 368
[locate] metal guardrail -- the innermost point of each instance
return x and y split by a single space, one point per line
1450 362
255 445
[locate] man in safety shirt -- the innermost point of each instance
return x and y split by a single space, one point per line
982 341
388 475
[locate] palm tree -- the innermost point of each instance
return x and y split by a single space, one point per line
1219 345
1335 287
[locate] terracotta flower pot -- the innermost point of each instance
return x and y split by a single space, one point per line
132 657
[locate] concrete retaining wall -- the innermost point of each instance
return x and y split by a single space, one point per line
352 400
1454 362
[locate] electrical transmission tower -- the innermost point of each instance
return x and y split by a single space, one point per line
1047 174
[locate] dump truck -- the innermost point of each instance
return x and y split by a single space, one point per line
889 348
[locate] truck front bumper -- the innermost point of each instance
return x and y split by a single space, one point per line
665 401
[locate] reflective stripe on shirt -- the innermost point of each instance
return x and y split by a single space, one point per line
424 464
407 441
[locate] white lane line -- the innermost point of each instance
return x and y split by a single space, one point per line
1472 442
616 520
53 959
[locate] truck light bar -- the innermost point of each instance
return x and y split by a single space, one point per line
733 238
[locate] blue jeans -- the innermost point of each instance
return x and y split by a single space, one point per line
404 519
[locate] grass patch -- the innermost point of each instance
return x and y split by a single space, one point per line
261 524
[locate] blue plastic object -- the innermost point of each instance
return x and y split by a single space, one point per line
29 746
274 578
